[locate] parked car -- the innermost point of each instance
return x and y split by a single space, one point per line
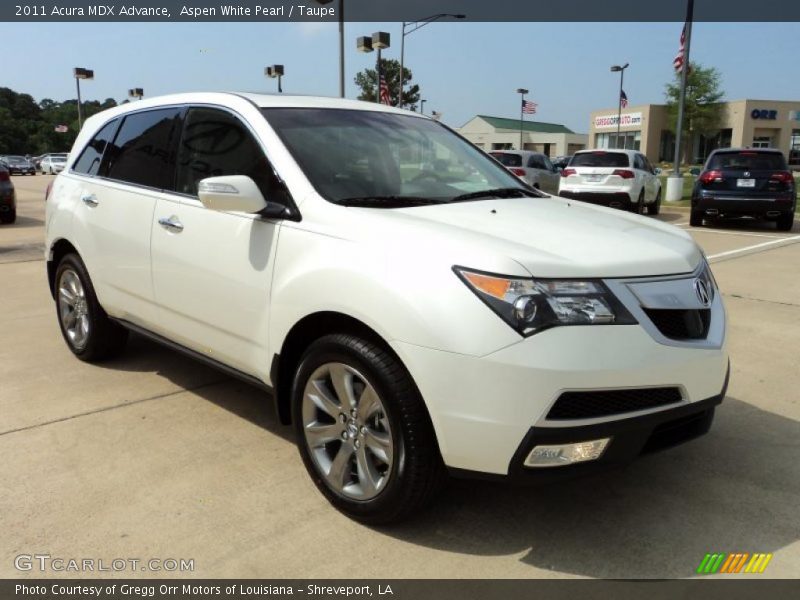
745 182
534 168
18 165
615 178
53 163
8 198
409 322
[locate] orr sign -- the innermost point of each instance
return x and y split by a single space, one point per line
626 120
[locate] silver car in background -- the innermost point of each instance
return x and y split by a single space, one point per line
534 168
53 164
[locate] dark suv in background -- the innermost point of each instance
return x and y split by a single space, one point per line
745 182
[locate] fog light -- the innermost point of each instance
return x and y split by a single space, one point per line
566 454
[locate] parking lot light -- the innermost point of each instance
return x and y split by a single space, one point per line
81 73
379 40
136 93
521 92
274 71
621 70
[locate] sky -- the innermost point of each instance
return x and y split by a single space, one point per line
463 69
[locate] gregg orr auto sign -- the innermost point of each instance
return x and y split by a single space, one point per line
608 121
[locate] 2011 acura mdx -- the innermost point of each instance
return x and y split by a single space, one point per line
415 308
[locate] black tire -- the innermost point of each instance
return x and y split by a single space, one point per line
638 206
417 470
655 207
785 222
8 217
696 218
105 338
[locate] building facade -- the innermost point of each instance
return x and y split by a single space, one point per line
498 133
745 123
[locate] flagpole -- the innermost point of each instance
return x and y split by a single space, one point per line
521 92
378 72
684 74
619 104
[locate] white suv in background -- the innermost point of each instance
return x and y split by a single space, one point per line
615 178
407 321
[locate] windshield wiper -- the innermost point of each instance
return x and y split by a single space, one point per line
388 201
510 192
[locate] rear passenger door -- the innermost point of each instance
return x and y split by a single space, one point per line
120 175
212 270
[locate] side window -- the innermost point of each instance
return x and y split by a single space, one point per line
638 163
88 162
214 143
535 162
141 150
547 164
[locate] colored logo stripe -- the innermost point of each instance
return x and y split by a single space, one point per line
721 562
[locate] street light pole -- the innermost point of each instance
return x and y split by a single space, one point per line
621 70
521 92
341 43
422 102
412 27
273 72
81 73
378 41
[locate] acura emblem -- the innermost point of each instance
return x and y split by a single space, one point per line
703 294
746 174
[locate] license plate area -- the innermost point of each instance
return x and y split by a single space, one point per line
746 183
593 178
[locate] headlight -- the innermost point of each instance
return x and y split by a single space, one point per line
532 305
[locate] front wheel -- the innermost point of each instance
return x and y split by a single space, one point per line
785 222
363 431
9 216
86 328
638 208
696 218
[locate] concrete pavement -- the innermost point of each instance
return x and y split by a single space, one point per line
155 456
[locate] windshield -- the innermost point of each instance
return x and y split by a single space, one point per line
15 159
507 159
599 159
362 154
747 161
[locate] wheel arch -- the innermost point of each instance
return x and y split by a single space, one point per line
57 251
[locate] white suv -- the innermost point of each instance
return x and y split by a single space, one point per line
409 322
615 178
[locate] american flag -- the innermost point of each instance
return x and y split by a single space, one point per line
528 107
678 61
623 99
384 93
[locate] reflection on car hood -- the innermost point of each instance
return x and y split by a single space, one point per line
549 237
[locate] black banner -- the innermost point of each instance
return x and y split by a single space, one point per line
396 10
394 589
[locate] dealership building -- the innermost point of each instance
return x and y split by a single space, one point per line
745 123
499 133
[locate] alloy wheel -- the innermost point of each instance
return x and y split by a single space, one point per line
73 309
347 431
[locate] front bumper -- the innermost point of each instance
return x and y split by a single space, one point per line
487 410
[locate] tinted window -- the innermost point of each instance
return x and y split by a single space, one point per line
536 162
600 159
140 153
89 160
747 161
507 159
214 143
547 164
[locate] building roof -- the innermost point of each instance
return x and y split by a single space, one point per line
513 124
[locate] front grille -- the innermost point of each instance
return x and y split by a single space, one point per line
601 403
681 324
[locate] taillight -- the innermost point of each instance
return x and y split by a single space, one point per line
707 177
517 172
624 173
782 177
568 172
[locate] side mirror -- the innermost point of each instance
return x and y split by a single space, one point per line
657 171
237 193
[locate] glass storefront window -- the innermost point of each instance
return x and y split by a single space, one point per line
628 140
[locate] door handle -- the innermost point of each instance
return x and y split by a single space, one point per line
90 200
172 224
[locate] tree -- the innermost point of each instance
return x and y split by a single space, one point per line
702 112
367 81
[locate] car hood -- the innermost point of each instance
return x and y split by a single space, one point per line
548 237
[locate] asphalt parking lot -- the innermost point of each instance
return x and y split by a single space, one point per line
155 456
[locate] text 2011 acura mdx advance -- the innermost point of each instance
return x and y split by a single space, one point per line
415 307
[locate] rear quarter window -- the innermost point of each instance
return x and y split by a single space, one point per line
88 162
600 159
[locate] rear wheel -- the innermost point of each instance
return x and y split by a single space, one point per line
9 216
785 222
655 207
638 208
86 328
696 218
363 432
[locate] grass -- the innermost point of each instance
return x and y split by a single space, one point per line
686 196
